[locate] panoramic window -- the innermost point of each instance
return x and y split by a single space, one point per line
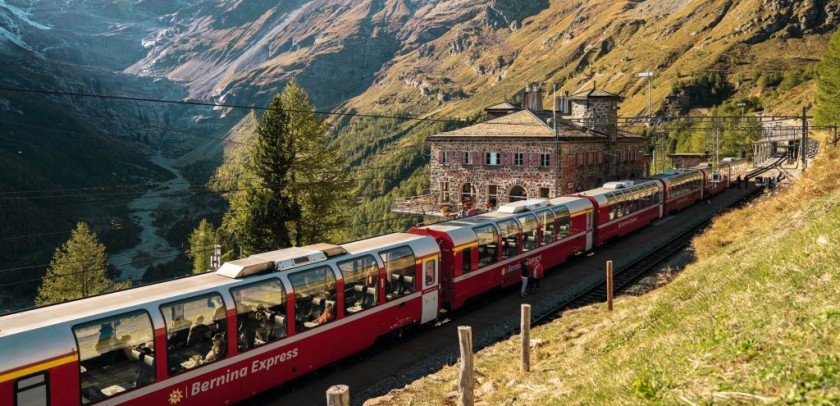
260 313
487 245
509 231
529 232
361 283
563 219
116 354
193 338
315 293
399 272
546 220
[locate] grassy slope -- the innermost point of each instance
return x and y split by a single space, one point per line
754 319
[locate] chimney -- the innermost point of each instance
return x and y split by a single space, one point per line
533 97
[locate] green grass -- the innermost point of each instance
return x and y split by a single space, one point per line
754 320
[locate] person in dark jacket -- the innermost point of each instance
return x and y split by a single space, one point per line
524 276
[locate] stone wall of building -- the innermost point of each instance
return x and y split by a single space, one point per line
506 176
579 165
600 114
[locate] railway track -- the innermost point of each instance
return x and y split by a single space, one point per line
424 350
625 276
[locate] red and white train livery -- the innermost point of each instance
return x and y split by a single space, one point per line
257 322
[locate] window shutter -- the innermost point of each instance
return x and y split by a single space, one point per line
478 158
437 156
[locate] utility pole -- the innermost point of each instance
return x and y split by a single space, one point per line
649 76
803 149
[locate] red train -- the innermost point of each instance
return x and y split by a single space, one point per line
257 322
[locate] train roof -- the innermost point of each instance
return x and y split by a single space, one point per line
108 303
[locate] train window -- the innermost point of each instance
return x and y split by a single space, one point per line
509 231
315 294
361 283
260 313
193 337
546 219
487 244
466 261
399 272
563 215
611 204
116 354
529 232
32 390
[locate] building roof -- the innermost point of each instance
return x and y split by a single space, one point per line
594 93
523 123
502 106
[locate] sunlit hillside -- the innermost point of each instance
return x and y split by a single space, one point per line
754 320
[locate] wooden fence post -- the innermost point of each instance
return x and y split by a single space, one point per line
466 383
338 395
525 333
609 286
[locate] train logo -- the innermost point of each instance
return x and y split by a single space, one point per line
176 396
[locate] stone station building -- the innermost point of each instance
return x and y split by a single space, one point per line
523 153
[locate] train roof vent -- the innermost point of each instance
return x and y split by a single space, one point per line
289 263
619 184
241 268
524 205
330 250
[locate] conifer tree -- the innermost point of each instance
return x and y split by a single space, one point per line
318 185
260 210
78 269
202 240
827 109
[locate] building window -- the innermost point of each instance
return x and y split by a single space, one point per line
545 160
468 158
492 195
491 158
444 191
544 191
443 159
518 159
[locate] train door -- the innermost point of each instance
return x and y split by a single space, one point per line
589 231
430 290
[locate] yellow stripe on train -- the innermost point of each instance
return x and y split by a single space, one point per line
37 368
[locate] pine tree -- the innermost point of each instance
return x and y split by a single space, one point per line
827 109
318 185
259 212
78 269
202 240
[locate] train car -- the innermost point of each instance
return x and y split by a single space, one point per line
221 337
682 188
715 180
484 252
624 206
728 171
737 167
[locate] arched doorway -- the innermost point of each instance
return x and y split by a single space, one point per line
517 193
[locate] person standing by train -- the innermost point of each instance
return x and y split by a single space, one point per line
523 266
536 276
